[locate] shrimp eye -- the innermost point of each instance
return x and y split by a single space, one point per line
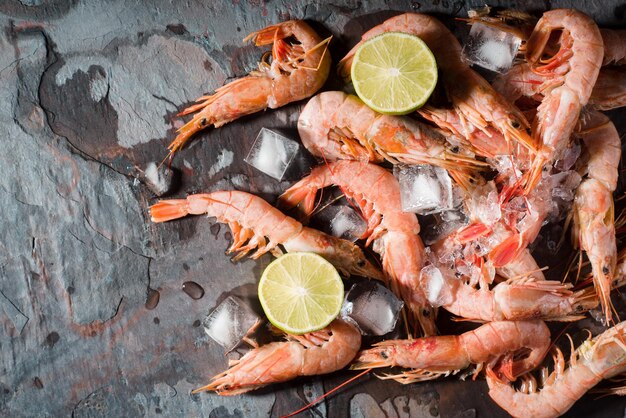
615 283
515 124
203 122
360 263
383 354
605 270
454 149
426 313
579 308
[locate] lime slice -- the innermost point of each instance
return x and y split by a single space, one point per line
394 73
301 292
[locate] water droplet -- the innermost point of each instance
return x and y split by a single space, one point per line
193 289
152 299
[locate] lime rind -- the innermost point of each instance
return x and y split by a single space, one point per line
301 313
396 94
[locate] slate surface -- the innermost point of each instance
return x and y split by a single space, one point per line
88 94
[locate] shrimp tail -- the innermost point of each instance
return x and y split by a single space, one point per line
167 210
299 195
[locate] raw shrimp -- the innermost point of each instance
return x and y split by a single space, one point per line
515 299
594 218
609 91
299 67
523 266
255 224
394 233
335 125
477 105
614 41
513 347
573 71
595 360
316 353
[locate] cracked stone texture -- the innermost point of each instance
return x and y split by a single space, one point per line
88 96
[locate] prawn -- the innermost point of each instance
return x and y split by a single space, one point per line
514 299
513 347
614 41
393 233
335 125
573 71
299 67
255 224
319 352
596 359
594 214
476 103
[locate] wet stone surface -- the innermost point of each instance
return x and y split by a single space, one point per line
88 96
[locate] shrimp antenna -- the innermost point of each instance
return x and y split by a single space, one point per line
319 398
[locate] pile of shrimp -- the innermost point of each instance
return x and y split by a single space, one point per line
528 149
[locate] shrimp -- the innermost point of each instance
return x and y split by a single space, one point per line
596 359
335 125
514 347
300 65
394 233
515 299
614 41
312 354
609 91
594 218
476 103
573 71
255 224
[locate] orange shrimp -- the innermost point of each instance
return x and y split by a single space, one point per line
297 70
335 125
515 299
312 354
596 359
614 41
255 224
573 71
594 217
394 233
477 104
512 347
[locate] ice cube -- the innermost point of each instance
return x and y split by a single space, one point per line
347 224
158 178
229 322
373 307
424 189
435 286
485 204
443 224
564 184
272 153
568 157
491 48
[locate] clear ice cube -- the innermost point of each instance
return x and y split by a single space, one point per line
347 224
485 204
424 189
443 224
229 322
491 48
272 153
373 307
435 286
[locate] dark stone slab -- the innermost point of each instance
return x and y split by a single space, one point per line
88 96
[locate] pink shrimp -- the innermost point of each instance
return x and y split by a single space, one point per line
335 125
596 359
614 41
573 71
394 233
298 69
513 347
312 354
255 224
594 218
476 104
516 299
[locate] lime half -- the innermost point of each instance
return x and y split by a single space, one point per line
394 73
301 292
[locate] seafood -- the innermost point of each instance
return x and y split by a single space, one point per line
514 299
255 224
572 71
335 125
594 218
609 91
477 105
316 353
512 347
614 41
595 360
299 67
394 233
